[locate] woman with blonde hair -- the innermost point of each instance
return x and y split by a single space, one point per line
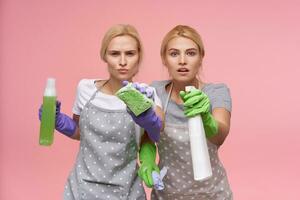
106 165
182 52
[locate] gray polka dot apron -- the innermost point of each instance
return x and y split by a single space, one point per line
106 166
175 153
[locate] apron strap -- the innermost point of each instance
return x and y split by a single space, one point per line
97 90
168 98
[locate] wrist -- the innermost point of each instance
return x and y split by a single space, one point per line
65 124
210 125
147 153
153 129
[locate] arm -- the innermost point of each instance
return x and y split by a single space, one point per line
159 112
76 135
216 124
151 119
147 157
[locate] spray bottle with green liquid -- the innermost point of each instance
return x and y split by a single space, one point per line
48 114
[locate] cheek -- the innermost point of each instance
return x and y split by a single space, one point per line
196 63
134 62
172 70
111 62
171 64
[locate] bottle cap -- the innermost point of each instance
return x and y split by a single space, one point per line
50 87
50 83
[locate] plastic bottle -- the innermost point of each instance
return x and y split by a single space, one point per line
48 114
200 156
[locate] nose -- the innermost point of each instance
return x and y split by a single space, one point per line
123 61
182 60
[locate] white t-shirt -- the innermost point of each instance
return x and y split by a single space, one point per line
86 88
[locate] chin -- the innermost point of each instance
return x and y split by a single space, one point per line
125 77
184 79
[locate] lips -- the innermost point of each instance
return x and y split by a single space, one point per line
183 70
123 71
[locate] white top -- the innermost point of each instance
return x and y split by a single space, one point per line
86 88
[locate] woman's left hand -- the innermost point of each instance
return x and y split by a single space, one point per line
142 88
148 119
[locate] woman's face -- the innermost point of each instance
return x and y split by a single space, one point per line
182 59
122 57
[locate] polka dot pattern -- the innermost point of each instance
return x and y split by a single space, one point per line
106 165
174 152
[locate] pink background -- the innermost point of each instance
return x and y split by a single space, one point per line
253 46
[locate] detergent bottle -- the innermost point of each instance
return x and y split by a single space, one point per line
48 114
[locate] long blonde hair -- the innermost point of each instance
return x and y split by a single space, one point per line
182 31
121 30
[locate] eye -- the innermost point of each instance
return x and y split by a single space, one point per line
114 53
130 53
174 53
191 53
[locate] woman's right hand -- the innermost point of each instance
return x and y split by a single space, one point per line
63 123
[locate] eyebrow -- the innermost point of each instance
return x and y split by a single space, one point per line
119 50
192 49
185 50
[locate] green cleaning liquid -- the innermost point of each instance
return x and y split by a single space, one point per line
48 114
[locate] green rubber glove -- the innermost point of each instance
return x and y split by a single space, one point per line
147 158
197 103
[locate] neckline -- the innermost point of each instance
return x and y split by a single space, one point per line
98 89
168 93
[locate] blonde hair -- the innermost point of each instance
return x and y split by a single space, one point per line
120 30
182 31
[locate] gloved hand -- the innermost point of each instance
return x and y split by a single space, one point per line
197 103
63 123
142 88
148 119
150 122
158 183
147 158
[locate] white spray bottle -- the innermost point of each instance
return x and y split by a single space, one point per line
200 156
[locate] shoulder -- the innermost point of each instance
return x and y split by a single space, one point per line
86 88
159 84
86 84
160 87
219 95
217 89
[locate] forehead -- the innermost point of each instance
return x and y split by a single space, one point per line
124 42
181 43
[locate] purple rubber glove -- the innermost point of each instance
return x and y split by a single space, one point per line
147 120
63 123
150 122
